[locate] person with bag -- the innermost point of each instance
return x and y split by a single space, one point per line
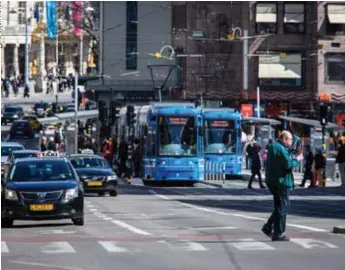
279 180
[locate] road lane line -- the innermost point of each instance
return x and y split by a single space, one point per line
107 218
46 265
93 209
58 247
309 243
112 246
4 248
183 245
204 209
251 244
213 228
130 227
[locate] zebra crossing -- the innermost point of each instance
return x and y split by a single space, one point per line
171 245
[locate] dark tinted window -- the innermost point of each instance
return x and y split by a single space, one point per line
89 162
20 125
23 155
41 170
6 150
11 110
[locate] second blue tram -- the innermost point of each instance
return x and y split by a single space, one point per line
171 144
222 141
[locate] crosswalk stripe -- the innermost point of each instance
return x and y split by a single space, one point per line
183 245
112 246
4 248
309 243
58 247
250 244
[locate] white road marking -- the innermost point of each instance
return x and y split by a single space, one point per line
250 244
112 246
93 210
130 227
4 248
183 245
87 202
58 247
89 205
57 232
107 218
47 265
310 243
204 209
213 228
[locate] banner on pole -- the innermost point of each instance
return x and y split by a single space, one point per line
77 7
51 19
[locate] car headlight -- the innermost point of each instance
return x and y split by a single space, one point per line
15 116
111 177
71 193
11 195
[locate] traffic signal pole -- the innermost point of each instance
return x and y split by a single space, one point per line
323 121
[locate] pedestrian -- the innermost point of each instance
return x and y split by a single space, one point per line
279 180
319 165
51 144
340 159
26 91
43 145
256 166
308 167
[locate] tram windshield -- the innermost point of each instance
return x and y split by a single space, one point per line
220 137
177 136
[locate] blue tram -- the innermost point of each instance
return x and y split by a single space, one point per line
170 141
222 141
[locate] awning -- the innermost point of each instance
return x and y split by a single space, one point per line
308 122
289 67
260 121
266 12
294 13
336 14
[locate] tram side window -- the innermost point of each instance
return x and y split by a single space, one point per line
151 145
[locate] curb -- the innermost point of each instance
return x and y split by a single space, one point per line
211 184
339 229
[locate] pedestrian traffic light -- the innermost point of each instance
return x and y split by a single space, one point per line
114 112
323 114
130 115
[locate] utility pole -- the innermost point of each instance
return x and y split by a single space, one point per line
76 113
81 41
100 46
323 122
27 21
245 61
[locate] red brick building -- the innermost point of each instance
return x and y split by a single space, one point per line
296 51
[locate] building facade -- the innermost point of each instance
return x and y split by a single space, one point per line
295 52
133 33
43 54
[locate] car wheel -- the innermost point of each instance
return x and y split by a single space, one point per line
113 193
78 221
6 223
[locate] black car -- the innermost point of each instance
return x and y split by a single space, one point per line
41 189
21 129
95 173
11 113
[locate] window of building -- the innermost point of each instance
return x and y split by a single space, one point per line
21 12
335 68
132 35
266 18
335 19
281 71
294 15
179 17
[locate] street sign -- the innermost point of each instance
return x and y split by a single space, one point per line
262 110
247 109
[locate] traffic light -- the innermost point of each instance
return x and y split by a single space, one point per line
323 114
130 115
102 111
114 111
343 122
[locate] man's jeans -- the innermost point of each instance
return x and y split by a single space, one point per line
278 217
342 173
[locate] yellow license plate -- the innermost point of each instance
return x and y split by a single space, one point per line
94 184
41 207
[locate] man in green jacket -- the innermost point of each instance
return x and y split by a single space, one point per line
279 180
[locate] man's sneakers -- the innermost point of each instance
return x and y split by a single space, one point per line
267 231
279 238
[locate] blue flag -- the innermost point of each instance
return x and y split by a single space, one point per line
51 19
37 13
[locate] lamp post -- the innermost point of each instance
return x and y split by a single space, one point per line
27 21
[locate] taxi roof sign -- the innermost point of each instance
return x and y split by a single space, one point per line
50 153
87 151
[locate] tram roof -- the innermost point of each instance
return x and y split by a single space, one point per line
260 121
172 104
308 122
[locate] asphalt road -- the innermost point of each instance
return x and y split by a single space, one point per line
183 228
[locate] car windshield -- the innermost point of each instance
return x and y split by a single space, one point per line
41 170
177 136
11 110
220 137
89 162
41 106
24 155
6 150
